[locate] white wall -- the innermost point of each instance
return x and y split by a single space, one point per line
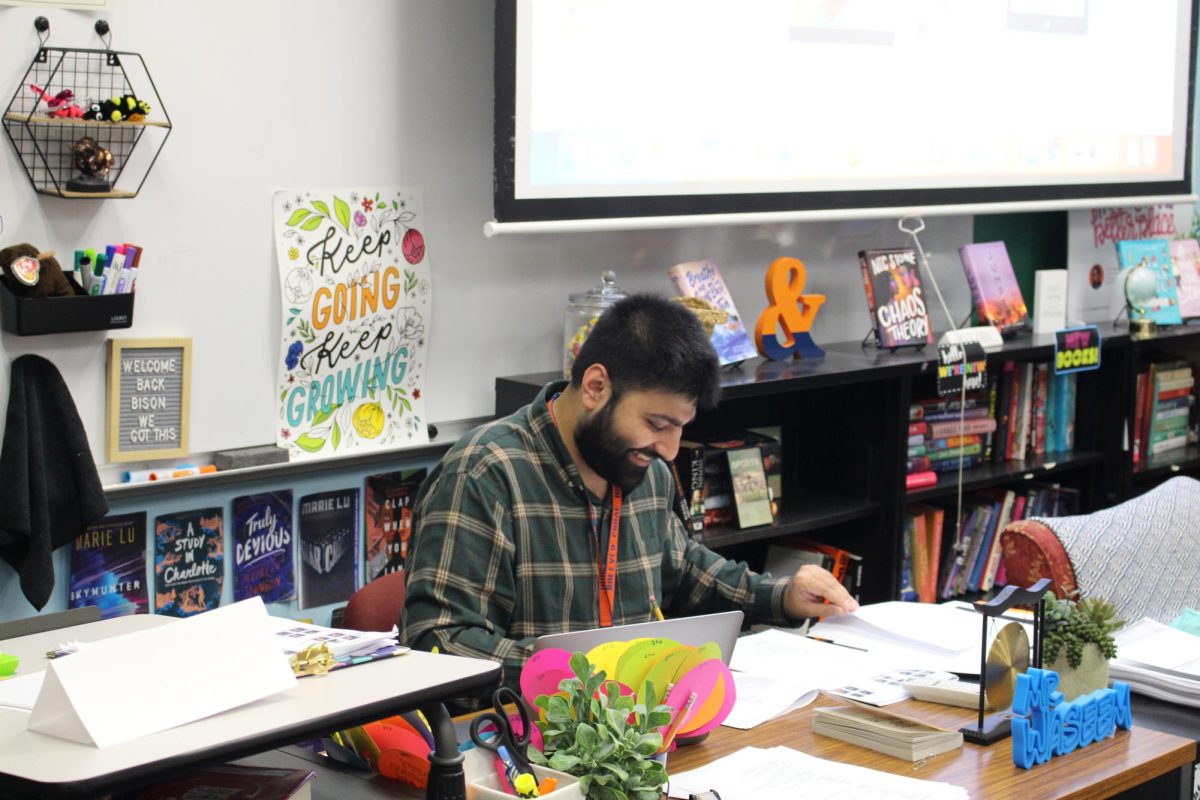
265 95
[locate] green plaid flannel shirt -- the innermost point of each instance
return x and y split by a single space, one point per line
503 550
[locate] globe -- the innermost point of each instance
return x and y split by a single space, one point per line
1141 285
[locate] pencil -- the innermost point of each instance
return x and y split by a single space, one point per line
657 611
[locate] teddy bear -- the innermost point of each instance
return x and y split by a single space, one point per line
28 272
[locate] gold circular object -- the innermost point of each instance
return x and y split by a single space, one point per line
1007 658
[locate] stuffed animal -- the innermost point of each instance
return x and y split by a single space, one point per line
29 272
118 109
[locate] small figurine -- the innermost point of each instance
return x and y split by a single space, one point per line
93 163
118 109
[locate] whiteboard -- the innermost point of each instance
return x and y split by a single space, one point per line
306 94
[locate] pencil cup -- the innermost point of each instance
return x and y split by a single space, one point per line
488 787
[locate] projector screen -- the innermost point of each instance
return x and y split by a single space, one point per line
634 108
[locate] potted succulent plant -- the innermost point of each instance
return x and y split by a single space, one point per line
607 739
1079 641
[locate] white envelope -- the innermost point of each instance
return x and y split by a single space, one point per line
144 682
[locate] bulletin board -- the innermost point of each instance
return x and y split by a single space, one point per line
149 393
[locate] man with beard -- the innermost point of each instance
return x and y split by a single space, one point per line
558 517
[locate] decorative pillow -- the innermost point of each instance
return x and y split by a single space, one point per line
1031 552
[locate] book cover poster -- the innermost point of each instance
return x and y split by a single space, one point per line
994 288
328 547
1155 255
1185 255
262 547
702 279
189 561
750 494
1093 289
108 566
387 520
895 297
355 283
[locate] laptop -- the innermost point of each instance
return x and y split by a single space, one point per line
722 628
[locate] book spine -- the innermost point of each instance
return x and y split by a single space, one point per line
944 430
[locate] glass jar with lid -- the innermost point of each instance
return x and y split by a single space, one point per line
583 310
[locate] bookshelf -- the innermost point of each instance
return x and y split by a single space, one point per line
844 424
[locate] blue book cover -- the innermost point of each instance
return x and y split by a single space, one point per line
328 547
908 591
189 561
108 566
262 547
1163 308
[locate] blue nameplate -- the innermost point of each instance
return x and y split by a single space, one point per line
1054 728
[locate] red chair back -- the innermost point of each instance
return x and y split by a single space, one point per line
376 606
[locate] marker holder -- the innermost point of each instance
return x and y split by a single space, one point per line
32 316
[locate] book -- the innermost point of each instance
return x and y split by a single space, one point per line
994 288
189 562
108 566
884 731
1185 256
263 547
928 549
914 527
895 297
229 782
1155 254
388 520
688 472
702 279
750 496
328 547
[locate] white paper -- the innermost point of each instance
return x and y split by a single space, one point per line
929 626
21 691
753 773
141 683
1151 644
293 636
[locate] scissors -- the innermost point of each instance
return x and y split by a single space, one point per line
501 732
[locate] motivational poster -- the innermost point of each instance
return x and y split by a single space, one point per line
262 547
108 566
387 520
189 561
328 547
355 287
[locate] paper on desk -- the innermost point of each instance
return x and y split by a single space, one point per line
753 773
144 682
1151 644
776 672
21 691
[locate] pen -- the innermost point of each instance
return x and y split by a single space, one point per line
657 611
839 644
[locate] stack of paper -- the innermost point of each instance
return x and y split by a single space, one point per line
343 643
881 730
753 773
1158 661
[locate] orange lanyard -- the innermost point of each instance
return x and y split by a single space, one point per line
606 570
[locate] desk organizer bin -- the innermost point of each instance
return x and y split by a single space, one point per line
31 316
488 787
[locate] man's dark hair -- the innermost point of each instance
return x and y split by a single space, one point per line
650 343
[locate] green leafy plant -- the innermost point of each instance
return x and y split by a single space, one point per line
1073 623
604 738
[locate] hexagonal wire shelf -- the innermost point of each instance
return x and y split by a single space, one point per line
44 141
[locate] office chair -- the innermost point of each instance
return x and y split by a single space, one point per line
48 622
376 606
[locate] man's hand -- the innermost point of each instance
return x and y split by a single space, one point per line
814 592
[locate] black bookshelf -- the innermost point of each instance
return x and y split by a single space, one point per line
844 422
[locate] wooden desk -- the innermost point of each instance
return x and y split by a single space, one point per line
1104 769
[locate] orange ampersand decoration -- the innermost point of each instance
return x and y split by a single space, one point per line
790 308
